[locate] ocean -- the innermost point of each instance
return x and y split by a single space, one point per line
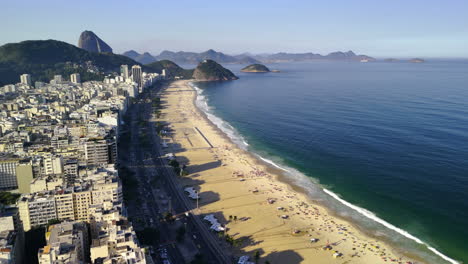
382 144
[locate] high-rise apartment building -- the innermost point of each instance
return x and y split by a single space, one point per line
75 78
58 79
64 204
124 71
52 164
36 209
26 79
66 243
24 176
8 172
136 75
96 152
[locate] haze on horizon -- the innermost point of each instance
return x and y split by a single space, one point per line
376 28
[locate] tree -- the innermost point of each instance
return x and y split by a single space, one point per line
8 198
148 236
237 242
168 217
257 256
174 163
53 222
198 259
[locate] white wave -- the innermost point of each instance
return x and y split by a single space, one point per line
373 217
272 163
299 178
202 104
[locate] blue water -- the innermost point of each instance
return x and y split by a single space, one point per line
388 137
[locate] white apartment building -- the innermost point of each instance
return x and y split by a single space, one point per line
36 209
75 78
26 79
96 152
66 243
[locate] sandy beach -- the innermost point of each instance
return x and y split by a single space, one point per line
265 214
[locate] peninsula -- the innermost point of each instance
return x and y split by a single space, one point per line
209 70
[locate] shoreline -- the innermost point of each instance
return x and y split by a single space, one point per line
326 224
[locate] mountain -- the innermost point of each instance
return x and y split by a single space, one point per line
287 57
91 42
244 59
172 69
255 68
180 57
290 57
209 70
183 57
144 58
45 58
339 55
131 54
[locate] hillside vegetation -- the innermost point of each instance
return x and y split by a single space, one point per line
172 69
256 68
209 70
45 58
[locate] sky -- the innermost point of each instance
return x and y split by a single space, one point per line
379 28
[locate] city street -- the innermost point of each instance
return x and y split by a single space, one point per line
147 162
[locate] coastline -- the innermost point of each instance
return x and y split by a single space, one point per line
262 182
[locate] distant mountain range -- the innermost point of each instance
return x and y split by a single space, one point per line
183 57
290 57
45 58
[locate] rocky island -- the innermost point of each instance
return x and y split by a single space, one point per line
209 70
417 60
255 68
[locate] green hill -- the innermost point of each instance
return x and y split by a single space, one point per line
209 70
256 68
45 58
172 69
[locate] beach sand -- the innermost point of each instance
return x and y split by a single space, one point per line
232 182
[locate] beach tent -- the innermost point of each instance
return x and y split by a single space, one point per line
215 225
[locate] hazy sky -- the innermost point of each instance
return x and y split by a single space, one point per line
381 28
